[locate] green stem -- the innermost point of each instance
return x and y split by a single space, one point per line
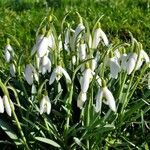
3 87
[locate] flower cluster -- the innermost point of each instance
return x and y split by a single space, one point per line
99 61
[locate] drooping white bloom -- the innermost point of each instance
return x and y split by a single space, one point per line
82 51
57 74
78 30
1 105
86 79
123 59
43 47
132 58
110 99
74 60
8 53
81 99
45 64
105 92
29 73
36 45
114 67
98 99
95 61
12 70
142 57
7 105
67 40
51 41
98 36
45 105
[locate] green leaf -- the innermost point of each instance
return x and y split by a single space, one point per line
48 141
9 131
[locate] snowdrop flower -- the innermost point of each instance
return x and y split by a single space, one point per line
86 79
67 40
43 47
104 92
1 105
45 105
81 99
12 70
132 58
51 41
95 61
7 105
74 60
114 67
45 64
82 51
98 36
123 59
57 74
8 51
142 57
80 28
30 73
38 41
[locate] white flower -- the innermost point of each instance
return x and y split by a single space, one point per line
7 105
95 61
29 73
98 99
43 47
86 79
12 70
45 105
132 58
45 64
81 99
38 40
51 41
1 105
82 52
104 92
114 67
123 59
98 36
142 57
57 74
74 60
78 30
8 52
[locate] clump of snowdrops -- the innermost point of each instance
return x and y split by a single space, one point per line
72 89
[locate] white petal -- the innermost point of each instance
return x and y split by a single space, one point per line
114 67
7 56
68 79
73 59
43 47
29 74
96 38
98 98
123 59
82 51
87 76
7 105
51 41
78 30
131 63
145 56
53 76
1 105
12 70
48 105
81 99
110 99
104 37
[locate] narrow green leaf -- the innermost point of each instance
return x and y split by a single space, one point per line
48 141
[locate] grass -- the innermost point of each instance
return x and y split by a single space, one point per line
20 21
